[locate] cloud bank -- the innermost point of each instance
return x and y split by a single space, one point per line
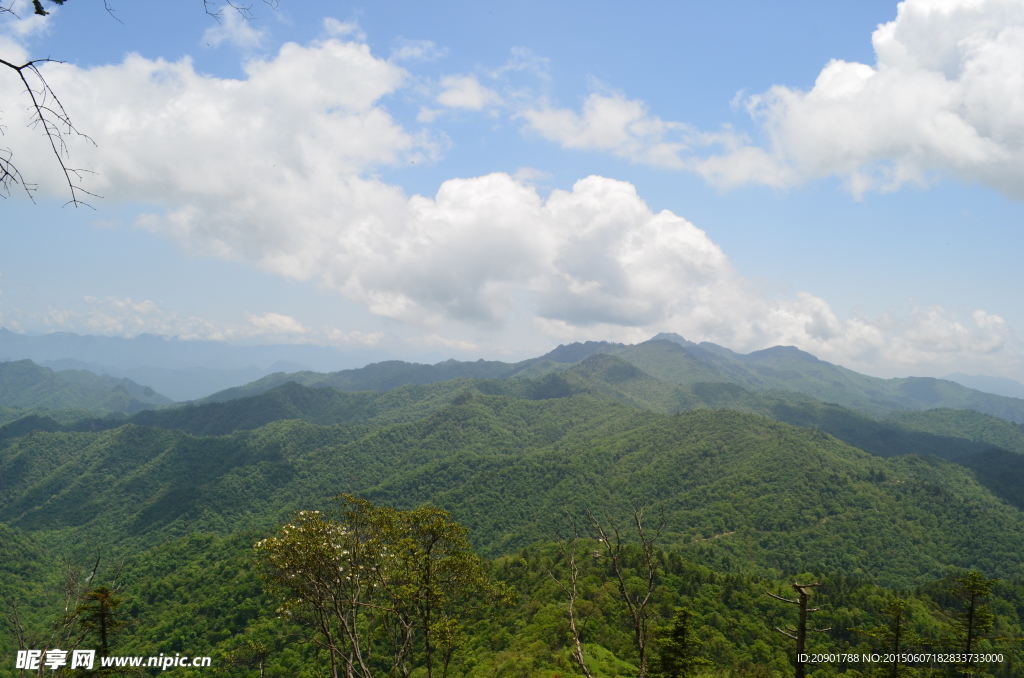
278 170
945 97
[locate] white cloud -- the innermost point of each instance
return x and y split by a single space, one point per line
233 28
120 316
416 50
278 170
437 341
946 95
465 91
276 323
127 317
524 60
170 136
343 29
20 20
614 124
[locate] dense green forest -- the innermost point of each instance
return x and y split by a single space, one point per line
676 361
748 487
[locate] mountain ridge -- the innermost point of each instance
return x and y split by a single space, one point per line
675 360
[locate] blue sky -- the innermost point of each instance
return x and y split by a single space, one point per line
492 179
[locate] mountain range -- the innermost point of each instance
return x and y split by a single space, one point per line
757 469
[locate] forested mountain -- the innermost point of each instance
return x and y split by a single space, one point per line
670 358
945 433
742 497
779 497
755 485
25 385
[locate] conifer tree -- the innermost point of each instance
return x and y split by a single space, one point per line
677 649
971 623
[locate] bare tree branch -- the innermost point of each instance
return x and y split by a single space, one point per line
244 11
110 10
47 112
638 608
572 591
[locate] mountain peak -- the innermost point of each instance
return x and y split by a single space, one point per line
673 337
791 352
576 351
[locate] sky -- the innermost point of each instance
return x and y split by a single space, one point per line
488 180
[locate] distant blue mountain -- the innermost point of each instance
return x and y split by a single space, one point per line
1010 388
179 369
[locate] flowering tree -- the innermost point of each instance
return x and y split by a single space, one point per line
377 586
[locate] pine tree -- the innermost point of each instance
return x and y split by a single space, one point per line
678 649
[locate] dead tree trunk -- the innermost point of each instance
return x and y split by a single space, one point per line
637 605
572 592
799 634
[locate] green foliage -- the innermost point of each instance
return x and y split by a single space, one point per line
204 596
377 587
964 424
974 619
98 616
749 503
739 492
678 652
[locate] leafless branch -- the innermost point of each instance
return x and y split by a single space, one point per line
49 114
244 11
786 633
110 10
638 608
572 591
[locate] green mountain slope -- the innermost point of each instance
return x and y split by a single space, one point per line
950 434
23 384
964 424
747 493
378 377
788 369
672 359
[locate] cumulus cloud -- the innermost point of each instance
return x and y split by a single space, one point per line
279 170
946 95
614 124
20 21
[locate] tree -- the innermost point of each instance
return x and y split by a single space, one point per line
431 575
373 584
98 614
974 619
48 115
250 654
799 634
571 590
635 592
83 612
322 570
895 637
677 652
